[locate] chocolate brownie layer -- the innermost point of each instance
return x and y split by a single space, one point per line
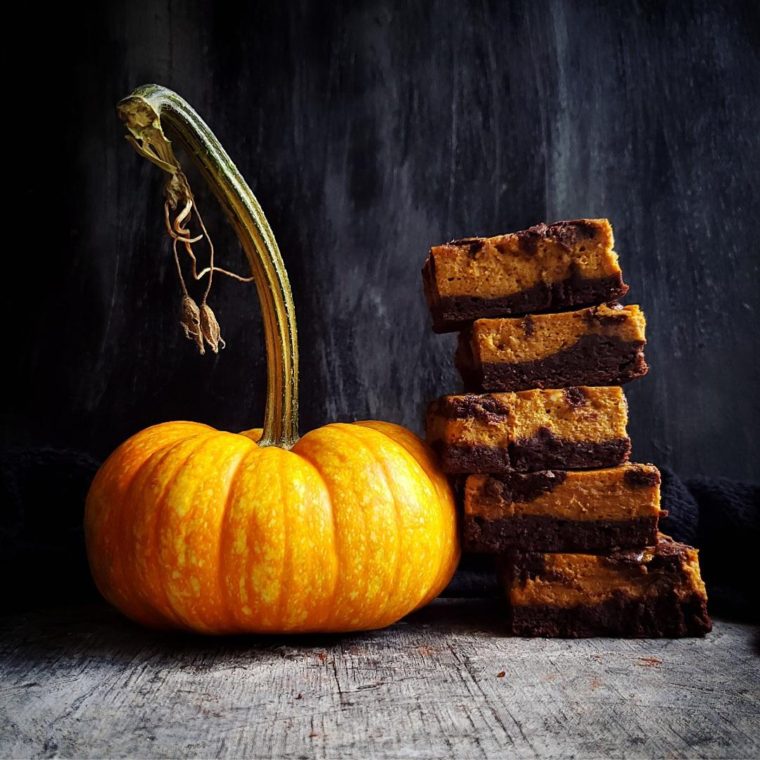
452 313
545 451
599 346
551 534
462 459
571 428
563 511
542 268
668 615
593 360
649 593
482 407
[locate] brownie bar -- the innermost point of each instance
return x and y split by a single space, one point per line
655 593
559 511
601 345
555 266
572 428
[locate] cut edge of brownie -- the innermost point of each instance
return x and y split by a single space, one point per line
665 615
539 533
544 452
596 360
483 407
451 313
464 459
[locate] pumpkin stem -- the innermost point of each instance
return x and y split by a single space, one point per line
145 113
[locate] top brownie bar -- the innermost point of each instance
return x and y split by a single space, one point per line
546 267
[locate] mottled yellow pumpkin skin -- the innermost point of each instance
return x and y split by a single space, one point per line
191 527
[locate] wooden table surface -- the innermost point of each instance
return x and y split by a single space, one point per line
445 682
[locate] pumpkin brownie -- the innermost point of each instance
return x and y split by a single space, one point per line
563 511
570 428
657 592
548 266
601 345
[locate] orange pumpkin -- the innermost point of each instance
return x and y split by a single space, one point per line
350 527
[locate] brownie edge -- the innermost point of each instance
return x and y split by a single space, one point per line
661 616
594 360
539 533
451 313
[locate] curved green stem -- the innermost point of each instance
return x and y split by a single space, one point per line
145 113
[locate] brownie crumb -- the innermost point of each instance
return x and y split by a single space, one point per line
640 477
522 487
527 566
474 245
528 326
625 557
465 241
592 316
528 240
483 407
529 486
567 234
575 397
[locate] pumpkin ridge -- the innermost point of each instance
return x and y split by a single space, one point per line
125 522
336 542
179 617
350 429
224 597
224 610
119 577
243 570
140 587
429 467
282 602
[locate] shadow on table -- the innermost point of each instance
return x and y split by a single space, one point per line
99 632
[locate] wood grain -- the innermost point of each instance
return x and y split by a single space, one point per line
369 131
443 683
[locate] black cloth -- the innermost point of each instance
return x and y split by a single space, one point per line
42 492
43 558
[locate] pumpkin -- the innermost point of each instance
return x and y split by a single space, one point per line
350 527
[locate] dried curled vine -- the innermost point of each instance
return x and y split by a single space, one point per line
198 322
180 209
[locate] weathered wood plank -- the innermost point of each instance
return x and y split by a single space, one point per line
86 683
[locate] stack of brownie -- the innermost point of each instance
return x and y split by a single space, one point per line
541 435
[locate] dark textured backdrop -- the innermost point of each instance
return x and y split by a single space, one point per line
370 130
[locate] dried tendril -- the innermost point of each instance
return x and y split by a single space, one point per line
198 322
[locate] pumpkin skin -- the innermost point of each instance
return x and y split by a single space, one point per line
191 527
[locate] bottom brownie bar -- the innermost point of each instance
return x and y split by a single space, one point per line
649 594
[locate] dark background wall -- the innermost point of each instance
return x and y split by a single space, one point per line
368 131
